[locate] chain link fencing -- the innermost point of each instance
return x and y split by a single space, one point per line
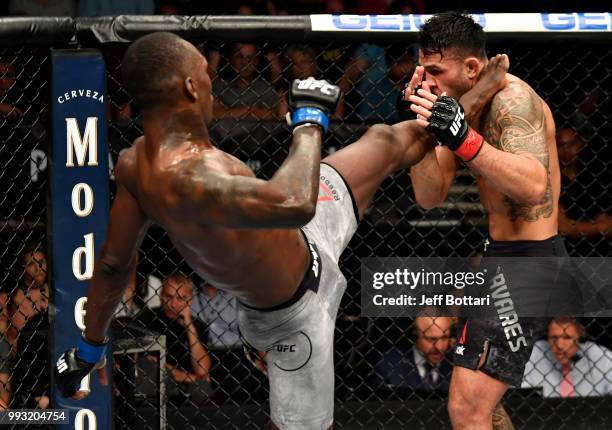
375 381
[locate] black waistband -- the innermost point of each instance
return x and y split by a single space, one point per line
310 281
551 247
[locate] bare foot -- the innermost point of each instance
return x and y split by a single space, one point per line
493 77
491 80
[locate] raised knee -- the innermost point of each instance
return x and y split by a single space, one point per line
381 133
465 413
384 137
456 408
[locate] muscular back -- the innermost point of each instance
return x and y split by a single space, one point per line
249 263
520 122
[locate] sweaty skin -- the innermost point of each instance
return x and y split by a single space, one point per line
517 169
519 121
237 260
214 211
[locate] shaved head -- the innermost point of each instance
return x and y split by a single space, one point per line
154 68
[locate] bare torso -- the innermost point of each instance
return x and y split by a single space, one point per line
510 220
261 267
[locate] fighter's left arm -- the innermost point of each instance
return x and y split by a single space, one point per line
127 227
517 165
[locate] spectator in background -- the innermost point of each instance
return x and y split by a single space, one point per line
218 311
19 100
302 62
584 117
245 10
116 7
29 330
564 366
246 93
6 368
23 109
335 7
258 7
333 57
167 8
585 203
7 80
42 7
5 373
189 7
402 61
4 312
187 357
23 136
405 7
373 79
374 7
420 364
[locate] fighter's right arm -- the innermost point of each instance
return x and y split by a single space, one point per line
285 201
433 176
288 200
126 229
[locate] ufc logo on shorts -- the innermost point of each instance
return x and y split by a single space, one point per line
282 347
61 364
313 84
456 123
285 348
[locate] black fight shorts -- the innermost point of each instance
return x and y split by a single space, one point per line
528 269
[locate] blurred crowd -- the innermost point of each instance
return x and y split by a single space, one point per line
204 362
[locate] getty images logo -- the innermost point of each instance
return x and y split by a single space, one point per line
313 84
456 125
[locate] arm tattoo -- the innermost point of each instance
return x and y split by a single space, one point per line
501 419
517 124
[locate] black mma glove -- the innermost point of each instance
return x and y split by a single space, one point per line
311 101
447 122
76 363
